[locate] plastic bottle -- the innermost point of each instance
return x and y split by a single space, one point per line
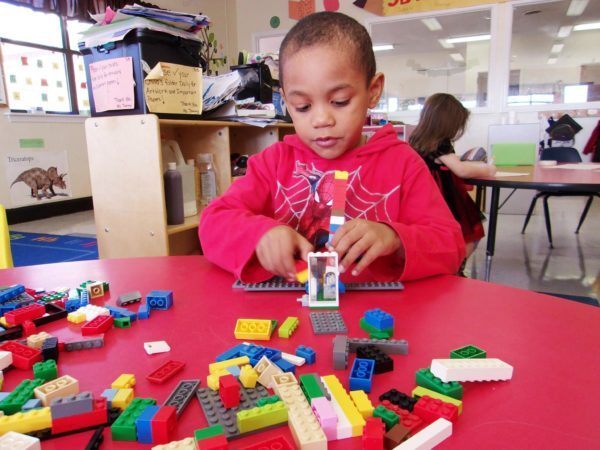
172 153
173 195
208 178
197 185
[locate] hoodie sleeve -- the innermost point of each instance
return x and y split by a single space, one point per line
432 238
231 226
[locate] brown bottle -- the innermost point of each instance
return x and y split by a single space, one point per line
173 195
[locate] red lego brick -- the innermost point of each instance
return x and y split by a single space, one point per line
229 390
20 315
24 357
99 416
163 425
409 420
430 409
97 326
166 371
29 328
60 303
213 443
276 443
374 430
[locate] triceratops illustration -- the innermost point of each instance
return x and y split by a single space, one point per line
42 180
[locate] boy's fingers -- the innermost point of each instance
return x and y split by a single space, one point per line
357 249
341 232
304 247
366 259
348 241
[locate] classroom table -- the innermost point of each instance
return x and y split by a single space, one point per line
537 177
553 345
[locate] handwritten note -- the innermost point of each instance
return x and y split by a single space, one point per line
173 88
112 84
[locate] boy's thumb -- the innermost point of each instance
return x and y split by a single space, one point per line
304 247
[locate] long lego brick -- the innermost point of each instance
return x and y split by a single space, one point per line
304 426
72 405
97 326
255 329
85 344
24 357
182 394
363 403
14 401
309 383
420 391
278 442
18 316
288 327
429 436
340 352
408 420
261 417
218 366
283 379
389 346
484 369
279 284
431 409
361 374
165 372
11 292
26 422
97 417
341 396
343 426
425 378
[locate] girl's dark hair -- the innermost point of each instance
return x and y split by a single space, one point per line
442 117
334 29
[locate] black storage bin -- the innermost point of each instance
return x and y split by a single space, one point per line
151 47
256 82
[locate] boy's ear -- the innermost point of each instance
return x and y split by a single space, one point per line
375 89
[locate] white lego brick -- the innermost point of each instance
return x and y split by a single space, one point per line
156 347
476 369
17 441
6 359
337 220
428 437
93 311
293 359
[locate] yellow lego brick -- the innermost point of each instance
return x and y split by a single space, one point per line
262 417
420 391
219 366
343 399
32 420
302 276
60 387
304 426
282 379
212 381
36 340
185 444
1 379
248 376
256 329
125 381
288 327
266 369
3 322
340 175
76 317
122 398
362 403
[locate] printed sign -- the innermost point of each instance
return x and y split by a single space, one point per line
112 84
173 88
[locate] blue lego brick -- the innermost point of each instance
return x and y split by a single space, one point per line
32 404
307 353
252 351
117 312
333 228
285 365
84 297
272 353
11 292
143 311
109 394
143 424
3 395
361 374
161 300
233 352
72 305
234 370
379 319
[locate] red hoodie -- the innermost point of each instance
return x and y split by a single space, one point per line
287 183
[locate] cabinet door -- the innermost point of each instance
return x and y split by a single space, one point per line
127 185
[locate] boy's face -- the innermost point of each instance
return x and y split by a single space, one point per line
327 98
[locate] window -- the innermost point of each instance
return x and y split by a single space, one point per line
554 55
420 56
43 69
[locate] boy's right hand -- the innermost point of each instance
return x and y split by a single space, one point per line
276 249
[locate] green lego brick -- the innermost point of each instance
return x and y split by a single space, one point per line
122 322
390 418
268 400
262 417
123 429
46 370
425 378
19 396
468 351
208 432
288 327
310 387
376 333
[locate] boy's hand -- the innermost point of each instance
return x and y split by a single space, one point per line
365 240
276 249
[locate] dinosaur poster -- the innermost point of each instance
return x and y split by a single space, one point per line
36 177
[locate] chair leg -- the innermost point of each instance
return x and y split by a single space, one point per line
530 212
584 213
548 226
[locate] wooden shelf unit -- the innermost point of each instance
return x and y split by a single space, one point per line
126 175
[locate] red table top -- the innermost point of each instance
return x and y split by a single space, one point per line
553 344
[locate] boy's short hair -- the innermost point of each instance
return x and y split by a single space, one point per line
334 29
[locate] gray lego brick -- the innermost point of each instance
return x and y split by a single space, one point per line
327 322
216 413
279 284
340 352
182 394
85 344
129 298
389 346
72 405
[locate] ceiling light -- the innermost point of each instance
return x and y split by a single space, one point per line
458 40
457 57
382 47
551 61
557 48
576 7
432 23
587 26
444 43
564 31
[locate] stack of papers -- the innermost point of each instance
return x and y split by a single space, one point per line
219 90
185 21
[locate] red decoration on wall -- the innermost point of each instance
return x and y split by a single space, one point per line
297 9
331 5
24 61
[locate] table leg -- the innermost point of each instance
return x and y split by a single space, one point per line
491 238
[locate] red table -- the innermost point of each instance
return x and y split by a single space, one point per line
553 344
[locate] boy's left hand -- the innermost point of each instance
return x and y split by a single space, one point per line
366 240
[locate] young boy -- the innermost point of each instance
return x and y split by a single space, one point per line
397 223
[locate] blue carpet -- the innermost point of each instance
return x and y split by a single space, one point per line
35 248
576 298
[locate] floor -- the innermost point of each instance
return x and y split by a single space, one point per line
526 261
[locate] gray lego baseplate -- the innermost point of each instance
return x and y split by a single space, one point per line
330 322
182 394
280 284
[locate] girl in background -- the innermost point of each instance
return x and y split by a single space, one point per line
443 120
